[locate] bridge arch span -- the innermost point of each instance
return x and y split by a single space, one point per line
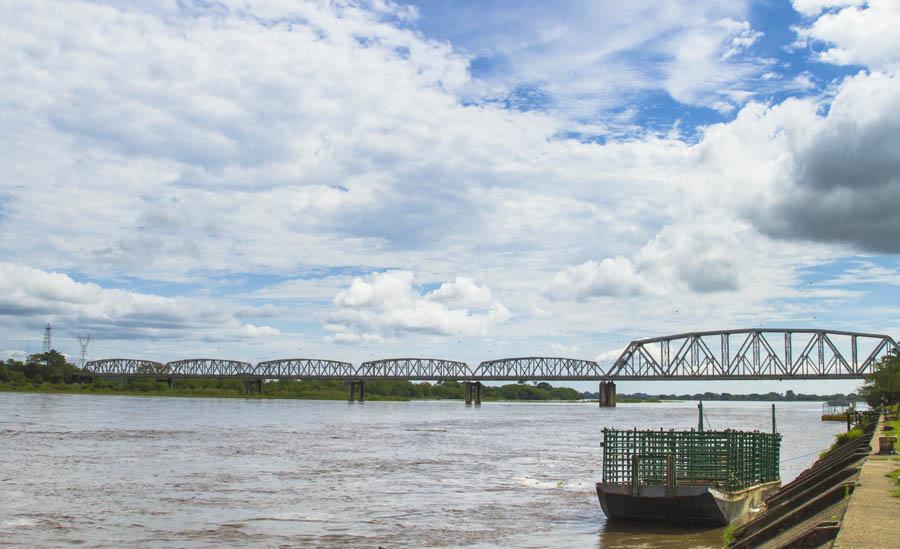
753 353
210 367
414 369
133 367
304 368
544 368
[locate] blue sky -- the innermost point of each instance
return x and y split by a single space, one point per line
467 180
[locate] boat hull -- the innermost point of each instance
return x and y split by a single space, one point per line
688 505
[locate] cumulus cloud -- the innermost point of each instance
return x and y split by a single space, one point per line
462 292
680 258
615 277
854 32
840 172
388 303
36 296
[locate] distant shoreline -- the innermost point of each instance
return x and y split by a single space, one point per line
186 394
370 397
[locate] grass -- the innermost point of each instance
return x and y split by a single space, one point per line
895 474
728 536
841 438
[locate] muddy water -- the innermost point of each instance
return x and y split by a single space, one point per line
113 471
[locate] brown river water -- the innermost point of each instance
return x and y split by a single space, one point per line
109 471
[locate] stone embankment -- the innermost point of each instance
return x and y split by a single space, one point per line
843 500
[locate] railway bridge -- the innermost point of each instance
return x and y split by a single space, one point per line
743 354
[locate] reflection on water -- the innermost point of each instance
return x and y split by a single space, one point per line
189 472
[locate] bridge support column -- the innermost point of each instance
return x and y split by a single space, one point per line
252 386
607 394
467 387
478 393
351 390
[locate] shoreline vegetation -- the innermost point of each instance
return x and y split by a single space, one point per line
187 388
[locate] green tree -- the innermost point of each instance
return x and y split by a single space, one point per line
883 384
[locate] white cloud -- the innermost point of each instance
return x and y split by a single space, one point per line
13 354
706 71
462 292
861 33
298 289
828 177
681 258
385 304
39 296
615 277
815 7
564 350
257 332
865 272
607 358
583 60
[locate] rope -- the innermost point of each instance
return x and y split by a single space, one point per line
804 455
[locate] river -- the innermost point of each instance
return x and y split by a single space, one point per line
204 472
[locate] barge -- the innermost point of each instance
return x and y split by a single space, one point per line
688 477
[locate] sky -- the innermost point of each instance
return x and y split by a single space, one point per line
465 180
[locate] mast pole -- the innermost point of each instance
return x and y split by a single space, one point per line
700 420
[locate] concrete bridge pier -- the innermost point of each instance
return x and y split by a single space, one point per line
253 386
607 394
472 392
352 387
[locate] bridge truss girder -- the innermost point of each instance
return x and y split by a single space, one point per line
304 368
534 368
752 354
211 367
130 367
414 369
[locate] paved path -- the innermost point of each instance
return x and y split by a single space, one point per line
873 514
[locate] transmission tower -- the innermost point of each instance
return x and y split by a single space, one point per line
84 340
47 331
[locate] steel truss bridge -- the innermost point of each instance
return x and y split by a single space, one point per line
769 353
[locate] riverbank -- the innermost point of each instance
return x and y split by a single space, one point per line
871 517
846 499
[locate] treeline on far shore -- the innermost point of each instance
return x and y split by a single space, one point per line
787 396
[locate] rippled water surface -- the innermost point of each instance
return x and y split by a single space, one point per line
186 472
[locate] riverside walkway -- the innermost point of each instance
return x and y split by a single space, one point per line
873 515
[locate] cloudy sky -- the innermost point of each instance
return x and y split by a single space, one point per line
469 180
